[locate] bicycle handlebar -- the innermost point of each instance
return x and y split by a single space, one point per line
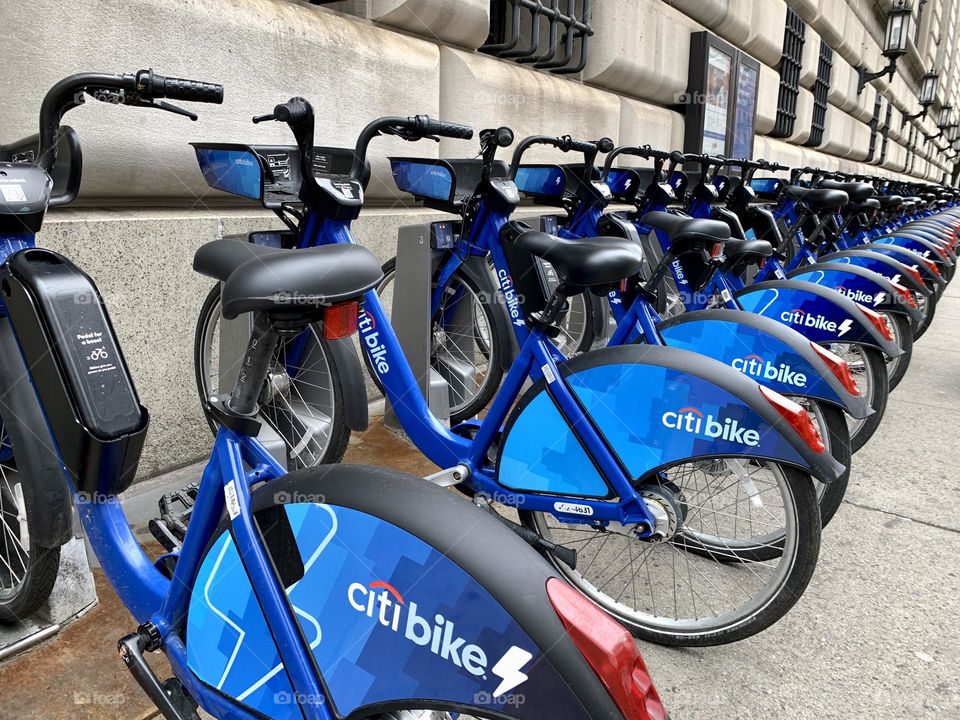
564 143
141 89
409 128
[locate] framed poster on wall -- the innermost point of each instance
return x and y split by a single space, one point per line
721 98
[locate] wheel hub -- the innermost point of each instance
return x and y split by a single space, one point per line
668 506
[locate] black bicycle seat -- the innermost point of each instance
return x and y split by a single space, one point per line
587 262
688 234
748 251
858 192
819 199
273 280
890 201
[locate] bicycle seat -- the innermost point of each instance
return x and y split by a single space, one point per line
819 199
890 201
288 282
868 205
747 251
688 234
586 262
858 192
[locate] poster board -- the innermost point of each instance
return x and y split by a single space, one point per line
721 99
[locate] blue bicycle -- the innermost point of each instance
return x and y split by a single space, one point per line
336 591
649 476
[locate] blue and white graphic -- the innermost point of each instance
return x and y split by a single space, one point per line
387 618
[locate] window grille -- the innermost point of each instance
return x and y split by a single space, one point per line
547 34
821 89
790 63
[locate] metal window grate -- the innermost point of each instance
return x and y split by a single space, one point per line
820 90
886 133
874 127
548 34
790 63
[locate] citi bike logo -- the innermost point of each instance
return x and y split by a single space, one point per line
860 296
380 601
693 421
817 322
755 366
371 338
513 302
678 270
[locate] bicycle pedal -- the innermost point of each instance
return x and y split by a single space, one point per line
163 535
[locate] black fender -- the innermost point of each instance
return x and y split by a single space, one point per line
38 463
513 574
895 266
892 301
934 234
855 405
478 270
842 305
344 355
914 259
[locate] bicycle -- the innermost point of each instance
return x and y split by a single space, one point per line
558 452
272 560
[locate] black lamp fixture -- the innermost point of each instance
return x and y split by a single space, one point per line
946 123
928 93
894 43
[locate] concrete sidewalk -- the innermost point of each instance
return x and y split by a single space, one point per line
876 635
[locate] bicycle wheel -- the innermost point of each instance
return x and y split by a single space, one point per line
27 571
928 306
303 400
903 336
868 366
466 348
664 592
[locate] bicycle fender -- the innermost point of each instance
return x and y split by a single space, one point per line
932 236
656 407
352 382
479 271
924 265
38 463
374 563
819 313
926 248
769 352
861 285
885 265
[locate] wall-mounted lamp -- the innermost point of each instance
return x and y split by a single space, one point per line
946 123
894 43
928 93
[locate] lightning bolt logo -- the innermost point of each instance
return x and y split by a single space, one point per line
508 670
844 327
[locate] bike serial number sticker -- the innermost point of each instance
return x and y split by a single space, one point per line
233 502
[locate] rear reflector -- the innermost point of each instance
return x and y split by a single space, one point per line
905 294
716 250
340 320
878 321
797 417
914 273
611 651
838 366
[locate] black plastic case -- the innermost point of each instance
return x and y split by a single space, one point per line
77 368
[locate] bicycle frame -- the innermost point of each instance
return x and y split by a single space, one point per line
537 359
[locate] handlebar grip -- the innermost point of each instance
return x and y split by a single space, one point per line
604 144
294 110
428 126
567 144
159 86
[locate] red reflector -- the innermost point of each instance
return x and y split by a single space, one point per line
716 250
340 320
914 273
878 321
611 651
797 417
838 366
905 294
